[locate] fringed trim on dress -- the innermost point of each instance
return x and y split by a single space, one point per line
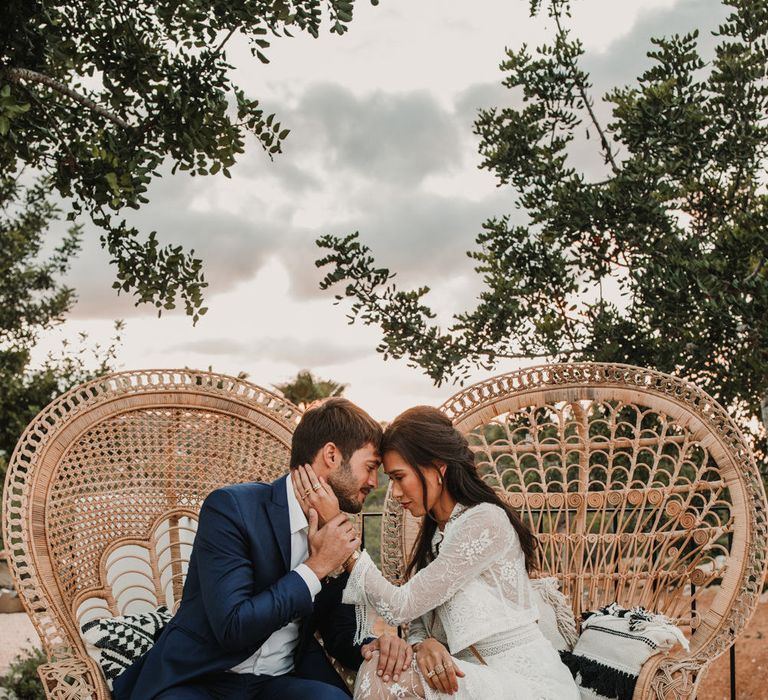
354 594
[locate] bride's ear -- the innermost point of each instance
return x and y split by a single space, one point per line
441 469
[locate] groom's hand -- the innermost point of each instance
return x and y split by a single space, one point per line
331 546
395 655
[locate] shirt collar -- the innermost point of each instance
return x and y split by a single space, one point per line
298 520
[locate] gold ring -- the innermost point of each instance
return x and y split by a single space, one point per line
440 668
315 487
430 674
306 493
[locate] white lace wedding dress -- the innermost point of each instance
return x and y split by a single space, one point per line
475 592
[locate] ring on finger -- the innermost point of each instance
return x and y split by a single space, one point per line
306 493
315 487
439 668
431 673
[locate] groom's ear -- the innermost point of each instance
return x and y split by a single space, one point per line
330 456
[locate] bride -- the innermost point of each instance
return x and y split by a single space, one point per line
467 595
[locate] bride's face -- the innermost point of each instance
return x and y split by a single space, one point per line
407 487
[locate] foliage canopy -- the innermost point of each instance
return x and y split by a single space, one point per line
98 94
662 261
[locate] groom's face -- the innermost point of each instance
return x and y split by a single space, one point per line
355 478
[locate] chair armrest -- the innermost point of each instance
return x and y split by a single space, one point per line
670 677
72 677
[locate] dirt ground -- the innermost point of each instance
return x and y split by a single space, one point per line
751 665
16 633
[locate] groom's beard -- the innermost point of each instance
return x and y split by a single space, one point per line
346 489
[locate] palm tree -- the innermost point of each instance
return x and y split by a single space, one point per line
306 388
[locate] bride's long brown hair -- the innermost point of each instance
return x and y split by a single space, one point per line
423 436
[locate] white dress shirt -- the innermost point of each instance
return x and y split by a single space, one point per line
275 656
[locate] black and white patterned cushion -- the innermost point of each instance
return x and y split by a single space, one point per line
116 642
614 644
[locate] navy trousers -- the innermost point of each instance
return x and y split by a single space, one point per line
245 686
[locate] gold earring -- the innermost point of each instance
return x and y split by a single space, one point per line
439 480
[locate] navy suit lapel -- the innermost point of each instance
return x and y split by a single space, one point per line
277 510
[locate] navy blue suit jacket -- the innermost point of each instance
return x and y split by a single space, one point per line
238 591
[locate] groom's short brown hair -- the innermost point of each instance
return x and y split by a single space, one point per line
335 420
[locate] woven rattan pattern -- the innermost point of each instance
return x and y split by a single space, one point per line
648 515
138 465
640 489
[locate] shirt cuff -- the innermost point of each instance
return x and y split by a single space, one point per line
310 578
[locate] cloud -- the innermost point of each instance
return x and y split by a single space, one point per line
301 353
357 163
626 57
400 167
395 137
422 236
232 249
234 242
483 96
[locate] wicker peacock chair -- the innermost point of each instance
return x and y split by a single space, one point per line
103 491
640 489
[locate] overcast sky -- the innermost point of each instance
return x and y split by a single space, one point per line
381 142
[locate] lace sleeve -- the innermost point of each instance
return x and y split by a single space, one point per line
477 539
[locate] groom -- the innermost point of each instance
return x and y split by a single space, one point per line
258 584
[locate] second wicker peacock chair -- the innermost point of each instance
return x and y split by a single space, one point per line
640 489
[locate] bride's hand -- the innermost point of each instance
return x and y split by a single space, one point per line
314 492
437 666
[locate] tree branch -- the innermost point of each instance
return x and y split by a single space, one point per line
222 44
17 75
147 125
582 92
73 163
567 327
756 271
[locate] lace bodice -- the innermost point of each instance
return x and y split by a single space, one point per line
477 585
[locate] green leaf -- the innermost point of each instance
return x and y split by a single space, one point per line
111 179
